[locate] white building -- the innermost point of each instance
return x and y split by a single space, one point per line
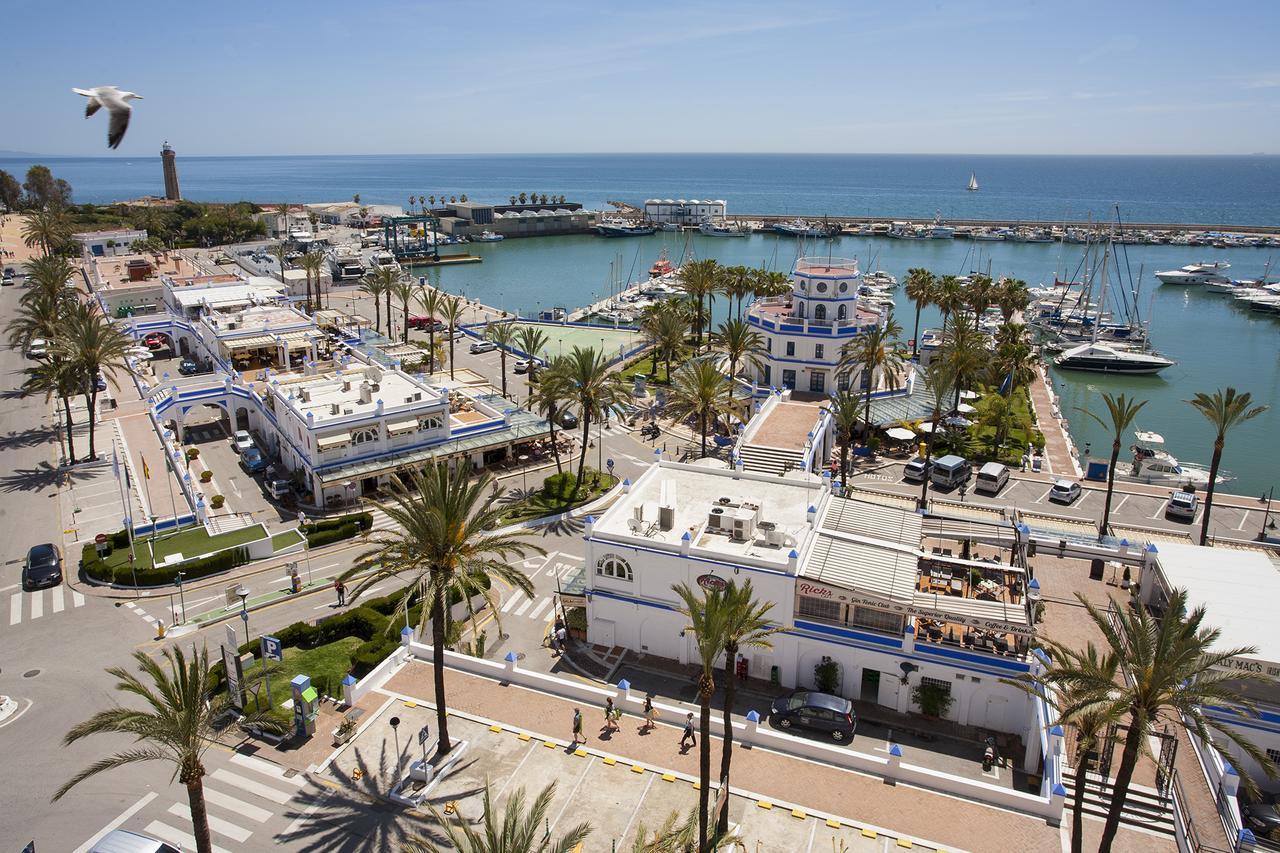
108 243
849 581
683 212
805 332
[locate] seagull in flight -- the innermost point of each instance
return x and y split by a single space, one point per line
117 104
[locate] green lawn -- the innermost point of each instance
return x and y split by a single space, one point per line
640 367
195 541
286 540
540 504
1018 439
562 339
325 664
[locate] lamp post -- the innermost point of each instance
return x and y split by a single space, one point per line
306 549
243 592
1266 515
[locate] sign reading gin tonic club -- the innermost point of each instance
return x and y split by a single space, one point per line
846 596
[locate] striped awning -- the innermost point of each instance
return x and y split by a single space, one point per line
402 427
338 439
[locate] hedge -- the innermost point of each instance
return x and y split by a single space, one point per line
330 535
326 531
222 561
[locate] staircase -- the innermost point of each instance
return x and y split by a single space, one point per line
1144 808
769 460
224 523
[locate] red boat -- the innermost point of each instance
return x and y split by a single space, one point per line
661 266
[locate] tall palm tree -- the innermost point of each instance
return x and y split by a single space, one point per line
700 390
746 626
1012 296
741 344
669 334
938 381
700 280
707 617
375 284
404 290
57 377
595 393
846 412
1015 361
766 283
280 252
503 336
178 725
978 294
49 228
1224 410
876 350
964 350
517 829
949 296
737 283
451 313
998 412
533 342
442 543
549 398
95 346
920 289
1092 711
650 318
1177 667
1122 412
312 263
47 275
432 302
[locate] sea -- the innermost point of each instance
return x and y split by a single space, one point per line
1215 342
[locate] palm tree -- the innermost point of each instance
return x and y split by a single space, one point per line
432 302
1091 713
523 197
978 294
513 201
49 228
95 346
57 377
594 391
998 412
700 390
1177 667
964 350
746 626
443 544
740 342
517 830
1123 411
949 296
532 341
875 350
938 381
280 251
700 280
1015 361
1012 296
451 313
548 398
846 411
375 283
178 725
669 334
679 835
738 284
503 335
282 211
766 283
404 290
47 275
920 289
312 264
707 617
1224 411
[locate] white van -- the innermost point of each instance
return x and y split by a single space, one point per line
950 471
991 478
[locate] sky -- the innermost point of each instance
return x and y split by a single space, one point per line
320 77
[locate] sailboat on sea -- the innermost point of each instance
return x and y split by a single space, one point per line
973 182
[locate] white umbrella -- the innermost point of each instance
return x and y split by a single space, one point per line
969 395
900 434
925 427
958 421
965 408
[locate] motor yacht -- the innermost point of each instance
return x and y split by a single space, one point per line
1111 358
940 230
799 228
624 228
1201 273
1153 464
383 260
721 229
487 237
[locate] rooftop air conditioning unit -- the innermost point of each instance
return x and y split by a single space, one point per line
333 408
725 501
744 527
348 411
305 395
346 384
716 519
417 396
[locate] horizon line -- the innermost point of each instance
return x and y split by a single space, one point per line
24 155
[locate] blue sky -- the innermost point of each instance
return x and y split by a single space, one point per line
321 77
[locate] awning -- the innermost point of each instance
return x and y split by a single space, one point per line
253 342
925 427
900 434
969 395
402 427
328 442
965 409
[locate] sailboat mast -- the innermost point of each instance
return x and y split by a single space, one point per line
1102 293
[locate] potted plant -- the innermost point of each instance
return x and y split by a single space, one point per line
933 700
217 501
192 453
1126 578
344 732
206 475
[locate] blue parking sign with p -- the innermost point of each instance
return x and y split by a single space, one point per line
272 649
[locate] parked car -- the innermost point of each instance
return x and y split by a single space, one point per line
568 420
38 348
818 711
950 471
279 488
991 478
419 322
188 367
917 470
252 460
123 841
1182 506
154 342
7 278
483 346
42 568
241 441
1262 816
523 365
1064 492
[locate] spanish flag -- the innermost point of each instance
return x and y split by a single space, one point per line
146 471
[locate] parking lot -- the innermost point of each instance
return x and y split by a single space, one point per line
207 430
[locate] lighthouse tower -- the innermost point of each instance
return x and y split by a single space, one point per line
806 331
170 163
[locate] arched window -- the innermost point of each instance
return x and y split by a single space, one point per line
800 310
820 312
843 312
613 566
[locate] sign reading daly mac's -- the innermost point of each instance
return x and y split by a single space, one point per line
845 596
1257 667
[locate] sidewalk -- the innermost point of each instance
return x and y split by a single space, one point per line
909 810
1058 450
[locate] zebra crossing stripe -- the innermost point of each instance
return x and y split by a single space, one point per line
15 608
511 602
266 768
58 603
77 600
177 836
240 807
250 786
523 607
37 605
217 824
542 605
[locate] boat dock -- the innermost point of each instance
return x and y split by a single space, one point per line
766 222
442 261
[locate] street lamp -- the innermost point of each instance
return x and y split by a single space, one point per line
1266 515
306 548
243 592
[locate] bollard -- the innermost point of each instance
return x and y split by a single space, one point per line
159 629
753 725
895 761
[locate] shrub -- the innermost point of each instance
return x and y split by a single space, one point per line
575 618
206 475
217 501
159 576
120 539
371 653
360 622
560 487
363 520
193 453
933 700
316 538
826 675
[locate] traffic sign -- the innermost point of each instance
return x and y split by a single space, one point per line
423 734
609 465
272 649
100 539
244 614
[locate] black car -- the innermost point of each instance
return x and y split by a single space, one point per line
188 367
568 420
43 567
819 711
1262 816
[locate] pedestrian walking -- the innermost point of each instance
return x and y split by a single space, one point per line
650 713
554 642
340 588
562 637
577 726
688 732
611 715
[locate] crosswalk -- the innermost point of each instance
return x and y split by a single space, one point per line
31 605
239 800
535 607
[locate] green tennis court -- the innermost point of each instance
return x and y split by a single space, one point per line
562 339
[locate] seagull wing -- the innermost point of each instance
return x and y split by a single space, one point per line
93 105
119 123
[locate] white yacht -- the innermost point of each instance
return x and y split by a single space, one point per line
1153 464
381 259
487 237
721 229
1201 273
1109 358
301 234
940 230
346 263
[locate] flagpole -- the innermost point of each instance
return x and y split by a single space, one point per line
125 490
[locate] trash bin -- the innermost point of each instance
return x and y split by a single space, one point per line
774 678
1095 569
